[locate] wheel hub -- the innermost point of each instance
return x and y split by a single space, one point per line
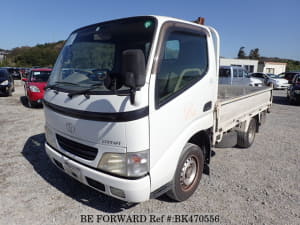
188 172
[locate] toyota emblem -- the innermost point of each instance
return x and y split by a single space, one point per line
70 128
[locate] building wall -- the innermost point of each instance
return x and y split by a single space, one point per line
272 67
249 64
2 56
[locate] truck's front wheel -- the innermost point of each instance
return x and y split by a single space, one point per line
188 173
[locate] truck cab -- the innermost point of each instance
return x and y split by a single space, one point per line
124 99
132 110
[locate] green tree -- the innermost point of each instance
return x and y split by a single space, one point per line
254 54
39 55
241 53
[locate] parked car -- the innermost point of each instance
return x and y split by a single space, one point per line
273 80
293 92
289 75
7 86
14 72
35 84
236 75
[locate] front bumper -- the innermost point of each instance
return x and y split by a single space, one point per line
132 190
35 96
4 89
281 86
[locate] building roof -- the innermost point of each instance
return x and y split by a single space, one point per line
275 63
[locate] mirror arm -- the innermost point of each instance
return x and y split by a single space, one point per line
132 95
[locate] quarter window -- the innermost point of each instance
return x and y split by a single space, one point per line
184 62
240 73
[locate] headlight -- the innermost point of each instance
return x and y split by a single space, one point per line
4 82
131 164
50 137
34 88
297 91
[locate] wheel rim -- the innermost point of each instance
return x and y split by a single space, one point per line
189 172
251 133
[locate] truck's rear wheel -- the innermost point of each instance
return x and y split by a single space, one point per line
188 173
246 139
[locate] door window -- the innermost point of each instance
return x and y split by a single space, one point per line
240 73
184 62
235 73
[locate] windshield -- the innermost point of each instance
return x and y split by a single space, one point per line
39 76
94 53
224 72
273 75
3 74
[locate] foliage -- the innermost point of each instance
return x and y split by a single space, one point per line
292 65
241 53
254 54
92 55
40 55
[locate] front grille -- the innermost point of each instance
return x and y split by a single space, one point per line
83 151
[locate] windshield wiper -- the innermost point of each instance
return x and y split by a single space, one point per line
59 82
85 91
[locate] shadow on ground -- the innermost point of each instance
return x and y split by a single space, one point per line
24 101
281 100
34 152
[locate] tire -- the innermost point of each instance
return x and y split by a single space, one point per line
30 104
291 101
9 92
246 139
188 173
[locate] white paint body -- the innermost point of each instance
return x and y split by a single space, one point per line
164 132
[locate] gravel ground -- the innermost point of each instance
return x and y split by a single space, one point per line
259 185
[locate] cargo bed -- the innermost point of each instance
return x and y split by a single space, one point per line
238 104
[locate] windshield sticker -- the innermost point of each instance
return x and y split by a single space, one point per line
37 73
148 24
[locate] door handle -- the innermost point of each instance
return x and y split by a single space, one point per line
207 106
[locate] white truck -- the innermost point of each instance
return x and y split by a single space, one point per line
132 107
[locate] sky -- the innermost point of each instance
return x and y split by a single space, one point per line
273 26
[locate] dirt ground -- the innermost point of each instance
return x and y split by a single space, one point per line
259 185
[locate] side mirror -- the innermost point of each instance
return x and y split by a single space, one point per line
24 79
133 68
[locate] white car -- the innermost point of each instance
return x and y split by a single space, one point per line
273 80
236 75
